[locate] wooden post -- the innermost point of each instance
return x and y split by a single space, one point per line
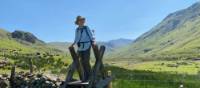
105 83
12 77
94 82
75 65
109 74
76 60
93 76
70 73
31 65
98 55
102 70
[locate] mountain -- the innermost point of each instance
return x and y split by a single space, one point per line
25 36
24 41
110 45
177 36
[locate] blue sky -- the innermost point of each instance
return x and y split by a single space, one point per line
53 20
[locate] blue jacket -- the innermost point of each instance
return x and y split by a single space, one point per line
83 37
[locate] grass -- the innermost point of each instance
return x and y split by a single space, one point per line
8 71
151 74
180 67
181 42
146 79
45 62
127 74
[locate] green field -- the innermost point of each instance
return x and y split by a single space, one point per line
179 67
128 74
154 75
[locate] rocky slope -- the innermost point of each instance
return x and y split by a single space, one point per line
25 36
23 41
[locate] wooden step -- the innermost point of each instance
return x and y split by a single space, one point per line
78 83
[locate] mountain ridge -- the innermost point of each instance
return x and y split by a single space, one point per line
25 36
110 45
24 41
176 36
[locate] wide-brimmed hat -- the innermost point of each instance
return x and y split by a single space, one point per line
79 18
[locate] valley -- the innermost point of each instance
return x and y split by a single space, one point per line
177 36
166 56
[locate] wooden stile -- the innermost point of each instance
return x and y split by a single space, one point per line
98 69
77 63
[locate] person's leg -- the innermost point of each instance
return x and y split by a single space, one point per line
85 60
81 57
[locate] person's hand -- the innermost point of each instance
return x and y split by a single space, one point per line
93 43
72 45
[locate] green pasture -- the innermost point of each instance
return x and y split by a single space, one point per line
124 78
179 67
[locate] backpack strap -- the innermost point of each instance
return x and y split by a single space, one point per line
88 33
86 30
81 35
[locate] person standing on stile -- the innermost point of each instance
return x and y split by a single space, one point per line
84 39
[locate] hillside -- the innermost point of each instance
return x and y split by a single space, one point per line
23 41
110 45
29 54
176 36
3 34
63 46
25 36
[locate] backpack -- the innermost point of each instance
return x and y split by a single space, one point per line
84 29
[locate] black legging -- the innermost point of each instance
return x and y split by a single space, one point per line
85 61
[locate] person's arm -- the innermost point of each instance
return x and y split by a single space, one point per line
91 36
76 38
